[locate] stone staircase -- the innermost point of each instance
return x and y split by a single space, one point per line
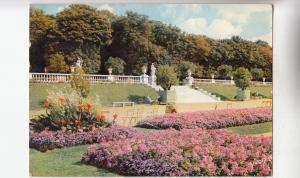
186 94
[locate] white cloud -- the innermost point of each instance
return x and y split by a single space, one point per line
266 37
61 8
105 7
194 25
240 13
218 29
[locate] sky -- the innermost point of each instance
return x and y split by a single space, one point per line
219 21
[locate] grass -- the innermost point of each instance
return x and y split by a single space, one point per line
108 93
255 129
66 161
63 162
227 92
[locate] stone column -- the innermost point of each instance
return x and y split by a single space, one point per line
231 80
213 78
110 77
153 76
264 80
189 79
145 77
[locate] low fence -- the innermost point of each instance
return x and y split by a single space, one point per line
62 78
227 82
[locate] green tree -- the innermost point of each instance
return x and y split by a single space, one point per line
39 25
79 84
257 74
57 64
83 32
242 78
117 65
224 71
166 76
183 67
198 49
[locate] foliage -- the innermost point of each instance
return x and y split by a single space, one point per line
79 83
166 76
137 40
189 152
48 140
214 119
224 71
57 64
68 110
116 63
242 78
257 74
183 67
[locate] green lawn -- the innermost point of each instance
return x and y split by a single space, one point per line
227 92
254 129
107 92
63 162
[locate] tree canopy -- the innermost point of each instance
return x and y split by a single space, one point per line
82 31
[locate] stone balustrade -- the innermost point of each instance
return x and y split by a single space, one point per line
62 78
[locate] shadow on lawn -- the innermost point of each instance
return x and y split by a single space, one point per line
223 98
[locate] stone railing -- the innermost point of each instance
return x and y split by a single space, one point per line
62 78
227 82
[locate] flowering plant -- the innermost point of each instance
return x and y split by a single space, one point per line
188 152
209 119
68 110
48 140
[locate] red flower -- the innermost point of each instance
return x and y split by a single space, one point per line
46 104
61 100
80 107
88 107
100 117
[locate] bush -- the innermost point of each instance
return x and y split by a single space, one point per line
209 119
242 78
166 76
224 71
57 64
183 67
79 84
257 74
189 152
117 64
68 110
48 140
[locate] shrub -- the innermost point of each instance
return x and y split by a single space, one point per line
79 84
257 74
242 78
117 65
57 64
183 67
68 110
209 119
189 152
224 71
48 140
166 76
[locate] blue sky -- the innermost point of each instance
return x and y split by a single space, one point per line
218 21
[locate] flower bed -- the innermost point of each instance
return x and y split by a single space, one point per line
209 119
48 140
189 152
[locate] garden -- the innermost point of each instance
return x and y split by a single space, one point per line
200 143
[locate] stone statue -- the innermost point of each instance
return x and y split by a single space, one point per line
79 62
153 69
